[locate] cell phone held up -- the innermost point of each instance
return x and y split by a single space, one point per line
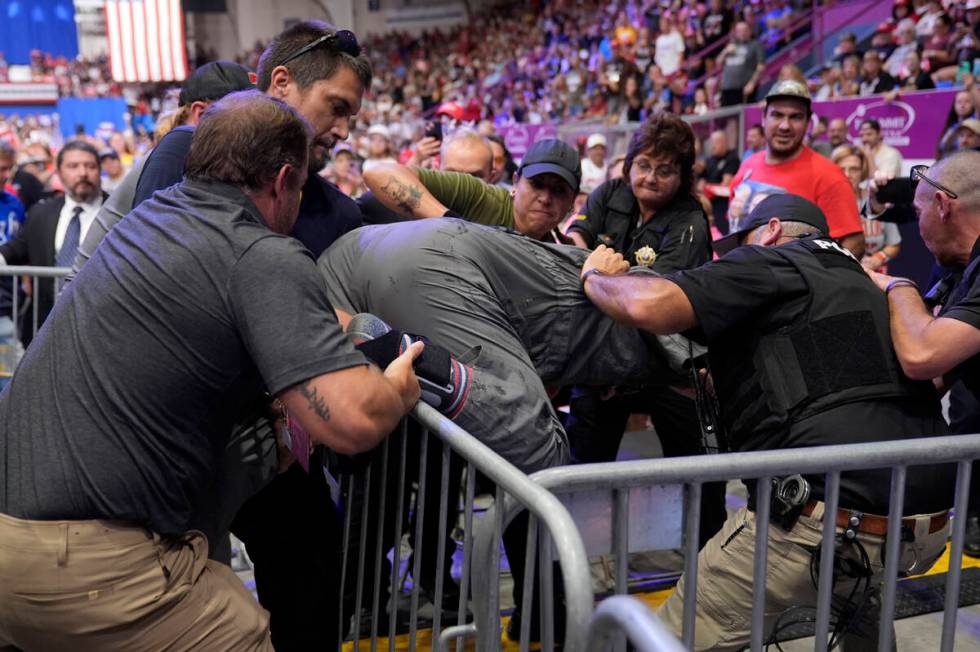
897 191
433 129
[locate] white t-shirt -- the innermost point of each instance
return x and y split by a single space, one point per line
889 160
592 175
670 48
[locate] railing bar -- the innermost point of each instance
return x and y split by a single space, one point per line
896 508
825 583
464 574
527 586
692 526
547 625
379 547
621 544
960 506
396 557
440 542
416 557
362 553
763 492
346 553
493 604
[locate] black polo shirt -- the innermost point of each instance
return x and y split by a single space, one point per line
678 232
964 305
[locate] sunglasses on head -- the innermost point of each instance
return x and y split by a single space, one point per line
919 172
343 41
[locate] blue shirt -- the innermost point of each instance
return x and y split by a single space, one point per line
12 216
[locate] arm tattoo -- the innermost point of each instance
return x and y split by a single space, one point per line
406 197
316 402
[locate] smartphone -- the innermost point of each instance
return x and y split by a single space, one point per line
433 129
897 191
964 68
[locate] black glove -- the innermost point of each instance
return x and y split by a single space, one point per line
445 381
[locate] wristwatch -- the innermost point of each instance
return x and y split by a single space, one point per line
589 273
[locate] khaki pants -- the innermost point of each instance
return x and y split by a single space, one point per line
724 586
99 585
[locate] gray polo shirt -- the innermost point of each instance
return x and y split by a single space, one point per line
188 308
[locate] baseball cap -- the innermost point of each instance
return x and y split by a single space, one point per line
378 130
595 140
214 80
555 157
790 88
787 207
108 152
972 124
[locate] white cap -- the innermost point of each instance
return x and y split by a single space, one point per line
594 141
379 130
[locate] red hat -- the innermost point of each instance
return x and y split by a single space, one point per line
452 109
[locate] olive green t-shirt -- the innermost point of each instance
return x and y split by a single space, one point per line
470 198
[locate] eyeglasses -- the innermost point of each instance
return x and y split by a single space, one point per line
919 172
662 172
343 41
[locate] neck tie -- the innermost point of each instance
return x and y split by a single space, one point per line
66 255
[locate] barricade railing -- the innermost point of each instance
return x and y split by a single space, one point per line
623 615
26 295
407 496
613 503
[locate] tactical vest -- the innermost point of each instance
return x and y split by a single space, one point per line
770 376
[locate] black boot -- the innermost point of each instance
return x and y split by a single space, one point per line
971 542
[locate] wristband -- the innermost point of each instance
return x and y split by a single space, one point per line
899 282
882 255
591 272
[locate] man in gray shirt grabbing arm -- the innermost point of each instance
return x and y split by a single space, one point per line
191 307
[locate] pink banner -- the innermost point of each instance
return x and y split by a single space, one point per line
520 137
913 123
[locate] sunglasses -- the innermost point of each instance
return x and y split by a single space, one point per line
919 172
342 41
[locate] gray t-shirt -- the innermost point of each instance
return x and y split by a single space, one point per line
510 307
185 311
741 64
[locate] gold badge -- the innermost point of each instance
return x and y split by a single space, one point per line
645 256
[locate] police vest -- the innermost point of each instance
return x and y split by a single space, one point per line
838 351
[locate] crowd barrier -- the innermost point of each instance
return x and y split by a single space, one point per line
612 502
23 292
418 472
624 615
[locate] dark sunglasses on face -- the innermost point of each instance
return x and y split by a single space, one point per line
919 172
343 41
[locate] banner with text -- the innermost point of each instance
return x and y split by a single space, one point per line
520 137
913 123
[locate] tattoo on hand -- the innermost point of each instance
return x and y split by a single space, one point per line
317 404
406 197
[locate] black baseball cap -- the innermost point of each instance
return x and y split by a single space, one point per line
786 207
214 80
552 156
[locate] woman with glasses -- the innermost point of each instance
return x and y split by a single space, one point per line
652 217
883 241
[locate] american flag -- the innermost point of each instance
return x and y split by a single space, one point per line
146 40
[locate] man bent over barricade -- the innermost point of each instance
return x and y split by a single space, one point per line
201 304
508 307
800 355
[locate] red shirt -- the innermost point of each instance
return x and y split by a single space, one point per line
809 175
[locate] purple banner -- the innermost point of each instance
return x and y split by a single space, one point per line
913 123
520 137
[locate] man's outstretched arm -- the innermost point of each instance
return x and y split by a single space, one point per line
398 187
647 302
927 347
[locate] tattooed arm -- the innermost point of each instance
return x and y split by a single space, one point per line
399 188
352 410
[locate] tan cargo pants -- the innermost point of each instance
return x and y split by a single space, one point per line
99 585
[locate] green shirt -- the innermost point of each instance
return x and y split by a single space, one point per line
470 198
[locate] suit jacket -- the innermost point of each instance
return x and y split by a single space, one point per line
34 245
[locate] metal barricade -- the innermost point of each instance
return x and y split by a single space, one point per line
389 504
26 296
608 499
628 615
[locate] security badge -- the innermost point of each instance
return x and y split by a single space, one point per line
645 256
